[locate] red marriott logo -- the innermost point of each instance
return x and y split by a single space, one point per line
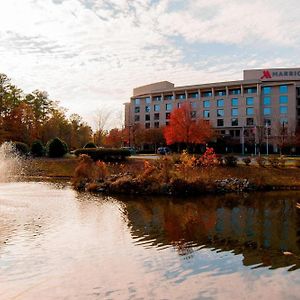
266 75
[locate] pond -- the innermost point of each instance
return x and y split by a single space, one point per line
56 243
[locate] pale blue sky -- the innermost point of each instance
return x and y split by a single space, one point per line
90 54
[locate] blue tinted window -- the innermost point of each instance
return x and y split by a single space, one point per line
137 101
168 97
221 93
252 90
168 107
206 114
193 104
194 95
147 108
250 101
283 109
267 100
157 98
156 107
283 89
266 90
148 100
234 112
235 92
234 101
267 111
137 109
220 112
283 99
206 103
249 111
180 96
220 102
206 94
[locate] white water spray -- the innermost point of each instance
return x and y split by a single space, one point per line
11 163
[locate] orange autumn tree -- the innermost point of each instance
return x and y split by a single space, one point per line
183 128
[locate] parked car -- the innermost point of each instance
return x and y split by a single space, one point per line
132 150
163 150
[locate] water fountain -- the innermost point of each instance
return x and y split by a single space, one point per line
11 163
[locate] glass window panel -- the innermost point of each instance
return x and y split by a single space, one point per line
234 112
206 103
220 112
283 89
206 114
249 111
220 102
234 102
156 107
267 100
283 99
168 106
267 111
283 109
266 90
234 122
250 101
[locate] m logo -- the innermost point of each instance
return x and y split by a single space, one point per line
266 75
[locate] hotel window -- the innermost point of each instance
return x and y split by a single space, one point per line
283 109
220 102
168 116
194 105
168 106
206 103
206 114
283 89
235 92
267 100
234 122
267 122
136 118
266 90
147 117
179 105
156 116
147 108
249 111
193 114
283 99
220 112
234 102
137 109
221 93
168 97
220 122
194 95
180 96
250 121
267 111
156 124
283 121
234 112
249 101
252 90
148 100
157 98
147 125
156 107
137 101
206 94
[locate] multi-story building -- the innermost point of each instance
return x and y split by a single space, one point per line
263 107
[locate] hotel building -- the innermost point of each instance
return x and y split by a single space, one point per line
264 106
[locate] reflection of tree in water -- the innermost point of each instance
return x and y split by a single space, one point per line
262 227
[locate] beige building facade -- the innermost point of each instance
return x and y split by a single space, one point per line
263 108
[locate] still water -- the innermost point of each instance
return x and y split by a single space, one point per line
59 244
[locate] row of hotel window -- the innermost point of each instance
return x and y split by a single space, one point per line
283 89
220 113
220 103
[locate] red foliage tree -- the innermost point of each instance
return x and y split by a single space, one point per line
183 128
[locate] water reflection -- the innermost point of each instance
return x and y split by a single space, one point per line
264 228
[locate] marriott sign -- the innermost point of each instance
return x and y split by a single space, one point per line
272 74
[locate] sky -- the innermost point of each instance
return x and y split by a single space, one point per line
90 54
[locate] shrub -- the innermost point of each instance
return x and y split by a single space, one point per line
274 162
37 149
56 148
208 158
261 161
21 148
105 154
89 145
246 160
230 161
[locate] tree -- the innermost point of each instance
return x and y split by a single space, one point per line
183 128
114 138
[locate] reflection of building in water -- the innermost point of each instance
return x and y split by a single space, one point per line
261 229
